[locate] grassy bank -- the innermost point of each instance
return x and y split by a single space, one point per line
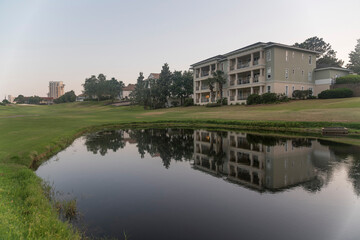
30 134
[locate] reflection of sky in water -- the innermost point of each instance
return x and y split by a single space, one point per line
123 192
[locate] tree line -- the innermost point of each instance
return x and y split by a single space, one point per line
156 93
100 88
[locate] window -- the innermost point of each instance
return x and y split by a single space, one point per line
286 90
286 73
310 59
302 88
286 55
268 55
302 72
268 89
293 71
309 76
269 73
293 88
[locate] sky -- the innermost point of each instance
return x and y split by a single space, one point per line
67 40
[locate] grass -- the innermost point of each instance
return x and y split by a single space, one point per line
31 134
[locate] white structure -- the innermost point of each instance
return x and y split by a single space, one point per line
56 89
11 98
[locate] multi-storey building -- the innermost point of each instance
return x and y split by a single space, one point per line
258 68
56 89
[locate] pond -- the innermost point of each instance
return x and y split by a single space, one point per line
198 184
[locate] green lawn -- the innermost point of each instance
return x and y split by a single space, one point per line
33 133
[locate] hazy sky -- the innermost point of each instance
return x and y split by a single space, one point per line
42 41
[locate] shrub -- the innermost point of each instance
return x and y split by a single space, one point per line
282 97
268 98
254 99
213 105
336 93
174 103
302 94
224 101
348 79
188 102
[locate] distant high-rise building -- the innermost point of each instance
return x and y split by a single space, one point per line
56 89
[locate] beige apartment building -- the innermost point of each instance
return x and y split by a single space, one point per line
259 68
56 89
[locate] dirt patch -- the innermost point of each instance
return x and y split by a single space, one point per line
152 113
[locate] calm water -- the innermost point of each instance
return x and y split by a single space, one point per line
195 184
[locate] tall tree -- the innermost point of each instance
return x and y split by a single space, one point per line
211 83
90 86
326 56
163 86
20 99
354 56
220 79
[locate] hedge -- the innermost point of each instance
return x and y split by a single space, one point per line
348 79
336 93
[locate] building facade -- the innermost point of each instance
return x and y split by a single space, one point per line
257 68
56 89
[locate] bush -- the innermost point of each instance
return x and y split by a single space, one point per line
188 102
282 97
254 99
67 97
302 94
174 103
348 79
224 101
336 93
269 98
213 105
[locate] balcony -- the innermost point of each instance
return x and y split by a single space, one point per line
197 100
232 98
204 100
204 87
256 62
242 97
256 79
232 82
245 80
232 67
243 65
197 88
197 75
205 74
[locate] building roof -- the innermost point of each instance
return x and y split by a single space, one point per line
332 68
249 47
154 76
130 87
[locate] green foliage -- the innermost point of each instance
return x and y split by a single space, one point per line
189 102
182 85
354 59
302 94
254 99
336 93
20 99
174 103
67 97
224 101
101 88
326 56
5 101
348 79
34 100
269 98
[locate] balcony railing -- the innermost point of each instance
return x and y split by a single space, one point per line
204 100
204 74
256 62
197 88
243 65
242 97
244 80
232 98
232 82
232 68
197 75
256 79
204 87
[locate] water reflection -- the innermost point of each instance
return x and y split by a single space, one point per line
262 163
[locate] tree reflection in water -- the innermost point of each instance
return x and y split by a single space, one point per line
255 161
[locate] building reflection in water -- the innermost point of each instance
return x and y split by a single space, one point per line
258 162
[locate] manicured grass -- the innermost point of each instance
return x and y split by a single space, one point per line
33 133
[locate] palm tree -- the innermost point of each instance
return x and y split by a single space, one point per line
211 82
220 79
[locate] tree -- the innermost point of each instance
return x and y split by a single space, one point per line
5 101
90 86
220 79
354 56
20 99
162 86
67 97
101 88
211 83
326 56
